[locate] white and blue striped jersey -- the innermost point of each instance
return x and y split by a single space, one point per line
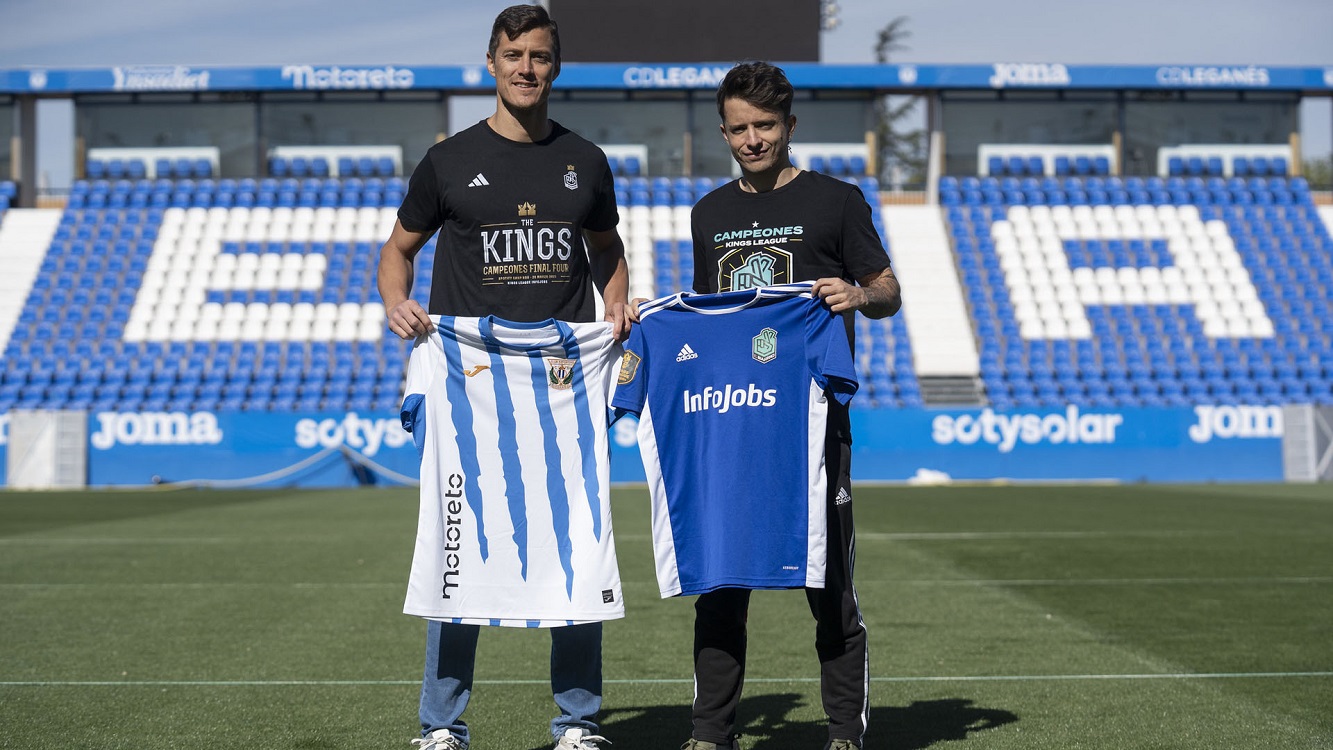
731 391
510 420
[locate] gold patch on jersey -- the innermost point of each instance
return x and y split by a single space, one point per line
629 367
527 209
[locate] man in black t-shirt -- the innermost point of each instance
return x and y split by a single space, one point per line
516 199
779 224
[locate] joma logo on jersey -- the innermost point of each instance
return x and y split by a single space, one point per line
753 267
453 533
560 373
722 400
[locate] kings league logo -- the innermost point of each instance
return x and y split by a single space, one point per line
753 267
571 178
764 347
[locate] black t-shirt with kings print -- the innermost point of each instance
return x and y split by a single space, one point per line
511 217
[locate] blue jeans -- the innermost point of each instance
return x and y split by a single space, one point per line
451 655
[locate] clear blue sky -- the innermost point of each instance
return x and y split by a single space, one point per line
71 33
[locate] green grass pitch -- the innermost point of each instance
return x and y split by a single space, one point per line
1000 617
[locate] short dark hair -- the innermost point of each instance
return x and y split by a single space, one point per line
759 83
520 19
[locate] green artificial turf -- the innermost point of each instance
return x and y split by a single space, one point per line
999 617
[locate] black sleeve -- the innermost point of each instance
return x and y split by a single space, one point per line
863 252
422 206
604 215
704 273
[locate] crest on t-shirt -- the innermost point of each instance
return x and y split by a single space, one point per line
764 347
753 267
572 178
560 373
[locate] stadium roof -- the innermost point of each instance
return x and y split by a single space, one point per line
630 77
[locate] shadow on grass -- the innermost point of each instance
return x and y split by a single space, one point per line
767 727
923 723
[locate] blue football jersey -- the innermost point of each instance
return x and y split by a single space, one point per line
731 391
511 423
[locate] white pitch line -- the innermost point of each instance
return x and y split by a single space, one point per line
877 536
953 536
676 681
1014 582
1237 581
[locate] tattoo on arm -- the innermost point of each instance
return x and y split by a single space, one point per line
883 296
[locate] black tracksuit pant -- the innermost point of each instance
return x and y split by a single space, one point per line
840 635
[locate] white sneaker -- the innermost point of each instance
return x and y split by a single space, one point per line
577 739
440 739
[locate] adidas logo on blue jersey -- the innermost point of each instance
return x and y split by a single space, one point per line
686 353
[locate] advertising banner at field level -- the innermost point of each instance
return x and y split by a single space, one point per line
251 449
1198 444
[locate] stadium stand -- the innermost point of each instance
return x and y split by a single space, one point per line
1224 160
257 294
837 159
367 162
1145 292
1038 160
192 306
152 163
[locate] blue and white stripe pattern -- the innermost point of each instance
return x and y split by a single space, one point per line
511 422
